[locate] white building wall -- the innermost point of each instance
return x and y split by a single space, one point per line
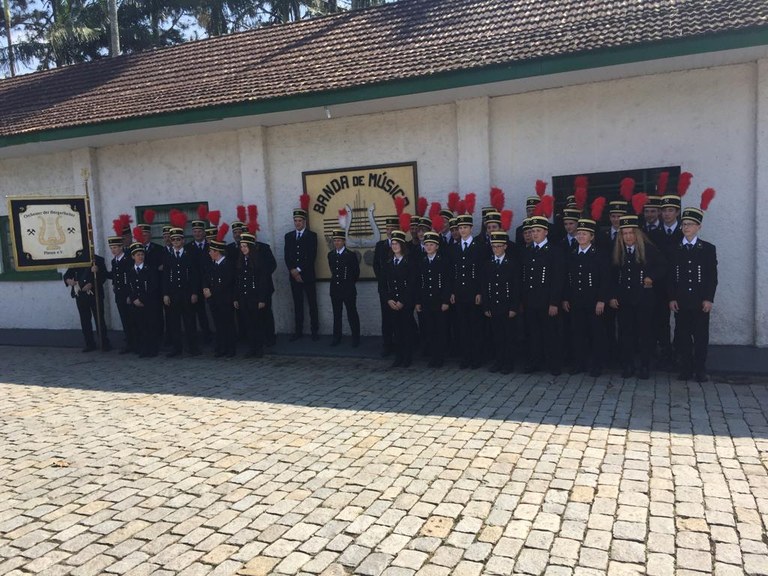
704 120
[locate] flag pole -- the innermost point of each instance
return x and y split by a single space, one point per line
86 175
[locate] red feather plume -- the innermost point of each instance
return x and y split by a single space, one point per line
149 216
253 212
627 188
461 207
683 182
506 219
421 206
241 213
706 198
469 202
126 220
138 234
304 201
405 221
202 212
639 201
214 216
547 205
597 208
253 226
434 210
580 182
222 233
178 219
581 197
497 199
453 201
117 226
541 188
661 185
438 222
399 205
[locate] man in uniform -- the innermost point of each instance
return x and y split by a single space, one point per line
118 273
530 205
85 286
651 213
667 237
381 255
467 257
433 297
345 271
219 292
144 294
198 248
300 254
542 286
181 288
501 300
692 286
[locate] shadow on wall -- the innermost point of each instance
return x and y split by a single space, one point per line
661 406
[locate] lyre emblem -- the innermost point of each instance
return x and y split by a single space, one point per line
52 242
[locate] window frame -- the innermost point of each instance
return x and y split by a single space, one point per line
8 273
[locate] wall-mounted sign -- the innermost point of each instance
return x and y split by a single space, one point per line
357 200
49 233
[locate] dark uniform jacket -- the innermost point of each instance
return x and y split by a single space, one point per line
434 286
381 254
693 274
628 280
604 241
501 285
84 276
200 255
301 254
254 277
220 280
181 276
401 281
144 285
345 270
118 273
466 271
154 256
587 278
543 276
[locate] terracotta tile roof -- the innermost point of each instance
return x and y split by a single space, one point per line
404 40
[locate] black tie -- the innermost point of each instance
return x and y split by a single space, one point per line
138 269
178 254
669 231
298 236
689 246
465 244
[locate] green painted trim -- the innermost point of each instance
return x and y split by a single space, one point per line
448 80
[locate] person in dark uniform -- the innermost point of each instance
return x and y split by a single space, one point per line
167 244
254 290
542 287
270 265
198 247
86 286
233 253
345 271
446 238
144 294
692 286
666 238
651 213
530 205
568 244
467 258
400 273
637 265
433 297
586 294
606 242
181 288
501 300
219 292
300 255
381 255
118 274
607 237
154 258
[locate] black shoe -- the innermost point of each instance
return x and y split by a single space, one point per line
627 372
702 377
464 365
335 341
207 338
555 372
575 370
643 373
218 355
295 337
595 373
386 351
494 368
396 364
150 355
507 370
530 369
125 351
195 352
173 353
107 347
406 363
685 376
315 336
356 342
230 354
89 348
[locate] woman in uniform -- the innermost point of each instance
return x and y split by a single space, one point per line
400 278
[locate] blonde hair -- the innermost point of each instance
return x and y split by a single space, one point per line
620 249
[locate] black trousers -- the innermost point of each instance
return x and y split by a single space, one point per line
636 334
387 330
223 313
256 321
693 339
350 303
181 311
144 320
612 351
544 338
469 318
402 336
86 309
587 334
124 310
202 315
503 330
269 324
298 291
435 332
662 325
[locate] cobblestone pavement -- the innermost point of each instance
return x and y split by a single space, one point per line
314 466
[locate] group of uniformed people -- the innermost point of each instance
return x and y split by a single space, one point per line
570 294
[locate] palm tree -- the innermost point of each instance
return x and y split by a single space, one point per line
71 30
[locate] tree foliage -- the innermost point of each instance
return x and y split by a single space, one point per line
54 33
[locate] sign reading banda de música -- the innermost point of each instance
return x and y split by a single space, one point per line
357 200
49 233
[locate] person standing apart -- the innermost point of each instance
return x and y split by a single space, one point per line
345 271
300 255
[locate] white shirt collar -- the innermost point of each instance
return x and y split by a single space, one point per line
692 242
468 241
340 252
673 227
583 250
543 243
